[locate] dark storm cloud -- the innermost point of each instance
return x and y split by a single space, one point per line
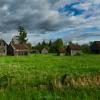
36 15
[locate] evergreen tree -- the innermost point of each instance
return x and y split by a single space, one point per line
70 42
39 46
29 45
50 43
50 46
43 43
22 34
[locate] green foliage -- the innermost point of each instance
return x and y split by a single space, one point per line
50 43
58 44
22 34
29 45
40 46
65 94
95 48
50 46
70 42
53 47
45 45
86 48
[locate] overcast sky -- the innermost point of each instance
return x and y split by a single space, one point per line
77 20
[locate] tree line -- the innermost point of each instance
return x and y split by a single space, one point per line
53 46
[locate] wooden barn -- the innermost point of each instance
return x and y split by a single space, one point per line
73 49
61 51
3 47
95 47
16 48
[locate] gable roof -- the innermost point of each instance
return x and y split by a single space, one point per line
20 47
3 42
97 43
62 50
74 47
44 49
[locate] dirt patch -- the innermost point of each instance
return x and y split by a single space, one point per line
82 81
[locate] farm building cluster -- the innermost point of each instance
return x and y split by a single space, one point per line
17 48
70 49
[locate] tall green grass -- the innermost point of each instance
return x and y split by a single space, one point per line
20 74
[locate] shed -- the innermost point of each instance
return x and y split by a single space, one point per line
61 51
44 51
73 49
95 47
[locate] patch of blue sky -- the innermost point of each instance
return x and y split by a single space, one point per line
71 10
92 29
56 35
93 38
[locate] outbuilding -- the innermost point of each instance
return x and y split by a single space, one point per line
61 51
73 49
95 47
44 51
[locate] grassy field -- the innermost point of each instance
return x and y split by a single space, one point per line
31 77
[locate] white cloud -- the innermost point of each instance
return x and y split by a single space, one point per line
42 16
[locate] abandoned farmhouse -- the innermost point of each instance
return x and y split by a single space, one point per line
14 48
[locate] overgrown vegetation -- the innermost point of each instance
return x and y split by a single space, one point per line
50 77
52 47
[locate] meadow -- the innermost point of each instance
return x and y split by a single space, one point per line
34 77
